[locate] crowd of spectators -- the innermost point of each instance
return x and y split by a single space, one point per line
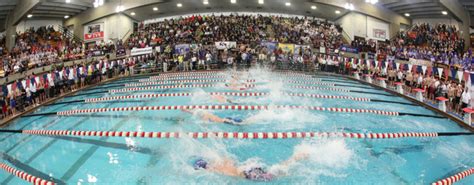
244 29
34 89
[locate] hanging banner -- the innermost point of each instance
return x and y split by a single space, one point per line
349 49
440 72
141 51
225 45
460 75
423 68
288 48
93 32
397 65
271 46
181 48
301 48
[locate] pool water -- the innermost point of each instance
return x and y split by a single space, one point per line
116 160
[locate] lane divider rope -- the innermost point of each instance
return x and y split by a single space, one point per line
242 94
224 107
220 80
220 77
233 135
131 89
25 176
454 178
320 88
181 81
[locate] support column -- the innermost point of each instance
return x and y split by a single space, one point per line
14 17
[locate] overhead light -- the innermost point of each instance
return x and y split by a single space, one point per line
444 12
97 3
179 5
119 8
155 8
68 1
349 6
260 1
29 16
66 16
206 2
287 4
337 12
233 1
313 7
132 13
407 15
372 1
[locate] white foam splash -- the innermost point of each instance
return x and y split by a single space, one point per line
91 178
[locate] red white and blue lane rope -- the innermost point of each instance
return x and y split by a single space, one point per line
223 107
233 135
455 177
25 176
241 94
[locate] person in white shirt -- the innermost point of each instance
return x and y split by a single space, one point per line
208 60
465 98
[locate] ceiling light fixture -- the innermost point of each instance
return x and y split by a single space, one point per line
179 5
66 16
206 2
287 4
98 3
133 13
444 12
233 1
68 1
349 6
119 8
407 15
372 1
155 8
337 12
260 2
29 16
313 7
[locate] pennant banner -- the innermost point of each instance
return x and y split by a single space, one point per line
440 72
423 68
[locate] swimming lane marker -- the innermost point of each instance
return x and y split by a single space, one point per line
223 107
25 176
454 178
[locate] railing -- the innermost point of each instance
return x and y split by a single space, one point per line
126 34
346 37
69 34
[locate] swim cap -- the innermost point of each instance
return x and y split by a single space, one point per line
233 120
258 174
200 164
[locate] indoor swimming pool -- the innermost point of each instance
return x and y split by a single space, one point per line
221 103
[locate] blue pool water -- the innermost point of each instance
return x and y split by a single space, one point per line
108 160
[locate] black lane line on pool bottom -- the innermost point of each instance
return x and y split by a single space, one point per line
386 101
84 157
420 115
28 169
46 146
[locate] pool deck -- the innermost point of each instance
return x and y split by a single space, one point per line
6 121
454 117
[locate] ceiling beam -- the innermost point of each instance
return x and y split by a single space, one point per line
415 5
85 3
64 5
49 8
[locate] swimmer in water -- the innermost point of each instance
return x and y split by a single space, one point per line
255 173
207 116
221 98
